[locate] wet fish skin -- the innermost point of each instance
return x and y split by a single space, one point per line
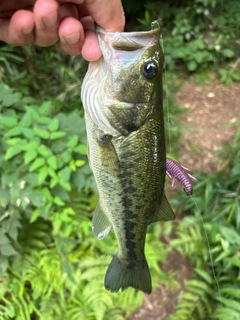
125 130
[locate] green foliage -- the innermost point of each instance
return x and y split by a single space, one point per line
217 200
51 266
198 35
195 301
43 74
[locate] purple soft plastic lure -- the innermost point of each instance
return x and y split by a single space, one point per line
176 171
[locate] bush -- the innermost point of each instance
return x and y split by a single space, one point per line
215 291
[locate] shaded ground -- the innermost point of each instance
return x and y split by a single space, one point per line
211 107
206 126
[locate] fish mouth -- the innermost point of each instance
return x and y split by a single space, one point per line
129 41
126 47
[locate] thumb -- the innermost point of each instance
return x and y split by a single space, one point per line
108 14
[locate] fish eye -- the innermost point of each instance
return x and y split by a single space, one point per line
149 69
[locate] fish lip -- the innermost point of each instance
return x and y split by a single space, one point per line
139 34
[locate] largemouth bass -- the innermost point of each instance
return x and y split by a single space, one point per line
122 98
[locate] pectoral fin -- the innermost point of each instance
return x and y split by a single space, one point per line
107 153
164 212
101 225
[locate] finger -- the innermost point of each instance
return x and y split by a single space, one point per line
46 22
108 14
18 30
91 50
68 10
71 36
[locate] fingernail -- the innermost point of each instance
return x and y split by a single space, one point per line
27 30
72 38
50 21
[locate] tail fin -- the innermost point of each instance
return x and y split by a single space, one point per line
121 274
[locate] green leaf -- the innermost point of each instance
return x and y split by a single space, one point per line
53 126
13 151
65 173
230 234
3 239
65 184
9 178
45 108
52 161
192 65
82 149
68 268
72 165
44 134
44 151
57 135
58 201
33 145
52 172
26 120
35 215
204 275
33 112
4 196
7 249
13 132
53 182
37 198
6 96
28 133
8 122
225 313
10 311
199 57
29 156
228 53
66 156
230 303
79 163
39 162
72 143
13 141
234 292
58 146
42 175
60 162
47 194
62 193
44 120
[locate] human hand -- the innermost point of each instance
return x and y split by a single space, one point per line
67 23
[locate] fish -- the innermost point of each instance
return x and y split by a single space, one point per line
122 97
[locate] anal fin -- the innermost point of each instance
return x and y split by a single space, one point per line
164 211
101 225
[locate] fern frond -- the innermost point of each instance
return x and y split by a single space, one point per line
224 313
195 302
129 300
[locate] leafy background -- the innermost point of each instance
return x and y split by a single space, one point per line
51 266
